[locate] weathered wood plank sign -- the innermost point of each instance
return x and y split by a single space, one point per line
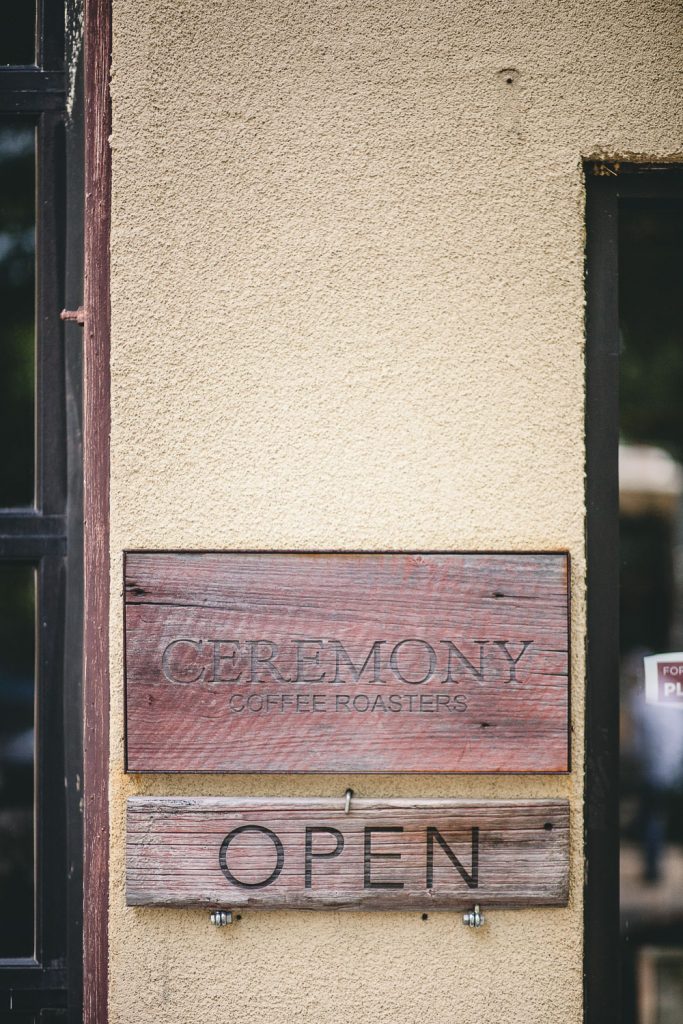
346 662
309 854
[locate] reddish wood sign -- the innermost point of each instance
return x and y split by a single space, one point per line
346 662
309 854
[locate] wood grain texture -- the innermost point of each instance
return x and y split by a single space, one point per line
347 662
385 854
96 425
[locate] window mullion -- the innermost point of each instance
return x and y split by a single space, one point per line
31 91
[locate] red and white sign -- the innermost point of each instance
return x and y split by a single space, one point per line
664 679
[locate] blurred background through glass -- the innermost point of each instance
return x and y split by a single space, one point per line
18 36
17 716
17 312
651 605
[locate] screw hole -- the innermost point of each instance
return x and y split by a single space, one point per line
238 917
508 75
548 826
425 917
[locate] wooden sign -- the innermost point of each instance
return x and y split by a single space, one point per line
347 662
309 854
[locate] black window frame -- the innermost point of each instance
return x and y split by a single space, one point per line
49 535
606 184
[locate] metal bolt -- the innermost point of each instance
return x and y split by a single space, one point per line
77 315
221 917
473 918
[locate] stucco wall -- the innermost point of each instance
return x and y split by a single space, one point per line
347 311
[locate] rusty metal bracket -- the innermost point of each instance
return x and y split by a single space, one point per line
78 315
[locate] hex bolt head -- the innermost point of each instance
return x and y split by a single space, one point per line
221 917
473 918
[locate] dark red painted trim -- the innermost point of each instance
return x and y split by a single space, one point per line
96 423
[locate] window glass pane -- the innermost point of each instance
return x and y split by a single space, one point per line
17 311
651 606
17 702
18 36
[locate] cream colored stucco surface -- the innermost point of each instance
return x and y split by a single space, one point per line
347 312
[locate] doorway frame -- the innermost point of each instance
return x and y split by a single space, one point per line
606 184
96 314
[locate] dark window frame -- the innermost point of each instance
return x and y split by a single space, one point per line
49 535
606 184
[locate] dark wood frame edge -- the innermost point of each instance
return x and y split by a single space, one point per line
601 838
606 183
96 428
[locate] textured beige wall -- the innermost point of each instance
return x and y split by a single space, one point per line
348 312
